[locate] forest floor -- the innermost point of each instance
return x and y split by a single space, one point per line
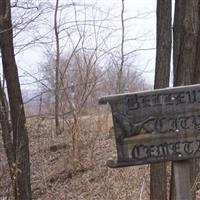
72 165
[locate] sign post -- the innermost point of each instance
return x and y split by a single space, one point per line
158 126
182 180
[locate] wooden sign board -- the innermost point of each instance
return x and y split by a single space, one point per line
155 126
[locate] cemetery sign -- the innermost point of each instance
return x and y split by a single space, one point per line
156 126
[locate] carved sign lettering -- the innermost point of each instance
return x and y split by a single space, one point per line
168 118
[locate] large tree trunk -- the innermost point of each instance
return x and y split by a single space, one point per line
158 180
185 38
184 55
21 165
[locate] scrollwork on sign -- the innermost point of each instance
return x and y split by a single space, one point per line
162 125
129 128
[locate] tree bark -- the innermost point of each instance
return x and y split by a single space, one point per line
185 35
196 78
6 129
21 165
185 38
158 178
163 44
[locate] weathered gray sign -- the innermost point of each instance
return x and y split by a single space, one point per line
156 125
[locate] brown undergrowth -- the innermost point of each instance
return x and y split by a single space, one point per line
72 165
62 170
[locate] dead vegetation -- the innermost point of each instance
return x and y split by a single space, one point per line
58 175
60 172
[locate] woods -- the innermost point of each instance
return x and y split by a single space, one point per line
61 136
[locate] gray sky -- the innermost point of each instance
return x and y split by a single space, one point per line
142 26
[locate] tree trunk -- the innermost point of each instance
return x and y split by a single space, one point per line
185 38
57 124
120 83
184 56
158 178
196 78
21 165
6 129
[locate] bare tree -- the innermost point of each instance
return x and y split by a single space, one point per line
57 68
20 170
131 79
158 181
120 71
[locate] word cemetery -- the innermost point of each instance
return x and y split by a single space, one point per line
156 126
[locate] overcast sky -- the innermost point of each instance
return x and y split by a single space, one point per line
143 26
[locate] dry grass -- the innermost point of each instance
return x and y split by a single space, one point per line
57 175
